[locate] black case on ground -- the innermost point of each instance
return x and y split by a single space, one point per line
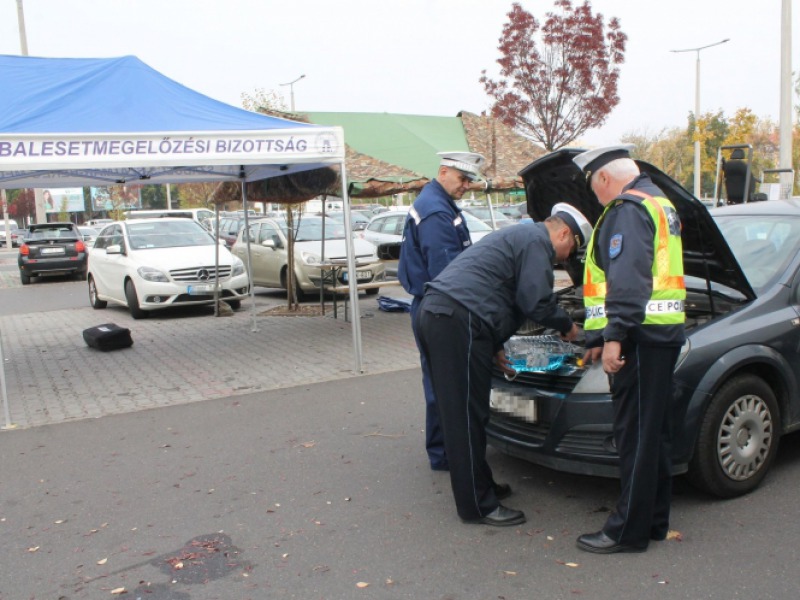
108 337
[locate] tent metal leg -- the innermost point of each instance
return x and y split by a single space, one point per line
3 390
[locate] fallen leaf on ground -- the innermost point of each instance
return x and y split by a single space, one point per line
102 561
59 522
674 535
362 584
33 548
571 564
510 572
119 590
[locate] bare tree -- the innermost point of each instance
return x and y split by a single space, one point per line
560 79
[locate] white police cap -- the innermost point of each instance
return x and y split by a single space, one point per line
469 163
579 225
592 161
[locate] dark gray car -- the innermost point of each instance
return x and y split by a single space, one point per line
738 375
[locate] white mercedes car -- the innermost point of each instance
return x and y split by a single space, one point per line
151 264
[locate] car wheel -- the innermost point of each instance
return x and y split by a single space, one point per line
93 299
133 301
738 438
25 279
372 291
234 304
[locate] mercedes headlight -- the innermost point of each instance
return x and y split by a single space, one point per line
151 274
238 268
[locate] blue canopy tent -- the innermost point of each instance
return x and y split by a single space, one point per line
68 122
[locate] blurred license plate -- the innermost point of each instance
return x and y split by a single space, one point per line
359 275
52 251
200 289
523 407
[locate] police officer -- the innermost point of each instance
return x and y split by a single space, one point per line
468 312
433 235
634 297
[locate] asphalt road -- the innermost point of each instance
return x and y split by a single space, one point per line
322 492
310 492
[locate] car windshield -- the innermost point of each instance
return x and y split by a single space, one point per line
167 234
762 244
309 229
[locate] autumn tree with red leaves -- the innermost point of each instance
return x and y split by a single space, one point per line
560 79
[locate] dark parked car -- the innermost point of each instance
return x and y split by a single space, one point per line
738 375
52 249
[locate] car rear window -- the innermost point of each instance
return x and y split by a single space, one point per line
57 232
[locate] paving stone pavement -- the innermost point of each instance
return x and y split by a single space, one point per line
52 376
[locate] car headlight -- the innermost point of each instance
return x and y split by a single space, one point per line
151 274
238 268
310 258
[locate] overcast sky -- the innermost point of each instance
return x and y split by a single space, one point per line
415 56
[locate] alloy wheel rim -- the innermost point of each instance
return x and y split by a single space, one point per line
744 438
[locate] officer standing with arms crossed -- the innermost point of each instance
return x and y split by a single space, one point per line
634 296
435 233
468 312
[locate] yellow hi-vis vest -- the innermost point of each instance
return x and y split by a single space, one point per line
666 305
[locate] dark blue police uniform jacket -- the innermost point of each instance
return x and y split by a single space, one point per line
435 233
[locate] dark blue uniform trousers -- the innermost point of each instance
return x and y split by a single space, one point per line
459 350
434 438
644 413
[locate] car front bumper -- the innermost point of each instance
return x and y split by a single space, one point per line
311 278
154 295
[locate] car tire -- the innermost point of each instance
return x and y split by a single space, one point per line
93 299
133 301
25 279
738 438
372 291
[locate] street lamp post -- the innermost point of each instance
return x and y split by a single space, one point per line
697 111
291 89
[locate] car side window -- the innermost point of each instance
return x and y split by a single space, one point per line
376 225
268 232
103 238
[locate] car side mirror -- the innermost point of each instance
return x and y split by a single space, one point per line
269 244
114 249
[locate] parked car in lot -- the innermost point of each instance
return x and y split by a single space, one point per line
387 227
152 264
98 223
14 232
89 234
357 219
51 249
737 377
483 214
229 228
269 259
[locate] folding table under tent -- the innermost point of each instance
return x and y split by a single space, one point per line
73 122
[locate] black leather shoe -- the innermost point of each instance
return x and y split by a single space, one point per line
502 491
600 543
500 517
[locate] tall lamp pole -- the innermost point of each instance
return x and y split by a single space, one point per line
291 88
697 112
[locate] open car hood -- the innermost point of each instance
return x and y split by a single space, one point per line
706 255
